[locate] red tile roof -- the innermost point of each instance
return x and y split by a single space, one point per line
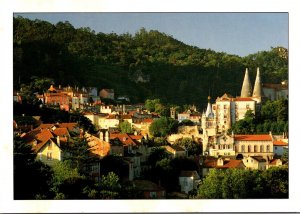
147 120
243 99
231 164
42 138
252 138
274 161
61 132
210 163
124 138
280 143
136 137
126 116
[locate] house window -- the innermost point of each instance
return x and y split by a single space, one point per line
249 148
255 148
268 148
49 156
50 145
243 148
153 195
261 148
275 147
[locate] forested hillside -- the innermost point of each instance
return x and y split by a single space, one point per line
148 64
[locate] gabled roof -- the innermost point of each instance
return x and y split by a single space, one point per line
41 138
124 138
61 132
258 158
280 143
231 164
210 162
253 137
225 97
69 126
274 161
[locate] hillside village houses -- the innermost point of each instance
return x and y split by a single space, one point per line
220 149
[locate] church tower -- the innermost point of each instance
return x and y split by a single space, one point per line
257 92
208 123
246 88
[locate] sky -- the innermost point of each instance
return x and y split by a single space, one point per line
233 33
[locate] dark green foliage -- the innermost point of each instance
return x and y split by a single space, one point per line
163 127
115 164
190 145
125 127
109 186
156 154
166 171
147 65
78 154
273 117
32 179
186 122
240 183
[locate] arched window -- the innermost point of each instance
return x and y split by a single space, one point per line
261 148
255 148
249 148
243 148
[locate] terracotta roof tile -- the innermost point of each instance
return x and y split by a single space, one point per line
124 138
243 99
231 164
61 132
280 143
136 137
147 120
252 138
126 116
210 163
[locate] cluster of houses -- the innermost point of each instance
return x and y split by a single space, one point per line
220 149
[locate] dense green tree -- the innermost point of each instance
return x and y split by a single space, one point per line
147 60
77 152
110 186
240 183
32 178
125 127
190 145
186 122
68 183
163 126
277 182
115 164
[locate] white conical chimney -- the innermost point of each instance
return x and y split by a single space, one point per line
246 88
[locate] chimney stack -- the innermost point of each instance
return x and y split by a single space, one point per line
246 88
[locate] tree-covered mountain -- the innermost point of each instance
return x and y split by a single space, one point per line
148 64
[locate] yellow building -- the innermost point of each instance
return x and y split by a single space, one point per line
45 145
